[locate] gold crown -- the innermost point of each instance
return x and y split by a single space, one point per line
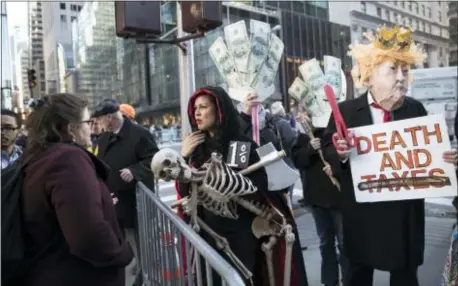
398 38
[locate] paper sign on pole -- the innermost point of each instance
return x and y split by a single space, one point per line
402 160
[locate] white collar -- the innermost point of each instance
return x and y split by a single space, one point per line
370 99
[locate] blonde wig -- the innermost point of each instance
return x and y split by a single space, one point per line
388 44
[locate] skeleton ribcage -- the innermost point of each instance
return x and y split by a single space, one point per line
221 183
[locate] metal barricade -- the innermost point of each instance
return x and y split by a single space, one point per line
171 252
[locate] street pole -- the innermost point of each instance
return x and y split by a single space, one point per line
184 74
284 87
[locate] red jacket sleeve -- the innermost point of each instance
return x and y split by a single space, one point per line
79 205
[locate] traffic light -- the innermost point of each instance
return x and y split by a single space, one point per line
135 18
201 16
32 78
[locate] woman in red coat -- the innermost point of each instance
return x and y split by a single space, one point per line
68 211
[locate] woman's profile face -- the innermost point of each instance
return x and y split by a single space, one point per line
204 113
81 131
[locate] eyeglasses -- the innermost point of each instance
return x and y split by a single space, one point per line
9 128
90 121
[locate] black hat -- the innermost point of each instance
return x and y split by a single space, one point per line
107 106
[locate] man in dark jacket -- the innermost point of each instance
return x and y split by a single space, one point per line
386 235
324 200
287 134
127 149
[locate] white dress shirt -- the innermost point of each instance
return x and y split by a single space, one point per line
376 113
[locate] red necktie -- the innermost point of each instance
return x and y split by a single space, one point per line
386 114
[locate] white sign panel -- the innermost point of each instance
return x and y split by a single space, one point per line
402 160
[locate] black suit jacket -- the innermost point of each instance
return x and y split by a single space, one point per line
382 235
133 148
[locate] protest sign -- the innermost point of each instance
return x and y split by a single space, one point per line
402 160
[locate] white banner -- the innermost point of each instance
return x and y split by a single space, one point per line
402 160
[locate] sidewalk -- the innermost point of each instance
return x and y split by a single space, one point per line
438 232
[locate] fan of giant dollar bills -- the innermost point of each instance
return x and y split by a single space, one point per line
248 62
309 92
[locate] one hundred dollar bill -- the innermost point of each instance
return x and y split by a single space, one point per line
238 44
333 74
225 63
260 41
314 78
298 90
264 80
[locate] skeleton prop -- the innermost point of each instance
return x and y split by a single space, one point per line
221 190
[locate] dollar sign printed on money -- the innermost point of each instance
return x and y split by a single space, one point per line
333 77
224 63
238 44
314 77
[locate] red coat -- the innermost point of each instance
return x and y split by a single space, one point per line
64 193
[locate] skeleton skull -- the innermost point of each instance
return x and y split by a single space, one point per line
168 165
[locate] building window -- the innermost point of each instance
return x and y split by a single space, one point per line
439 16
416 24
415 5
409 5
403 4
79 8
363 6
410 22
387 14
429 28
395 3
440 52
379 12
73 18
396 19
422 27
63 18
73 8
423 9
429 12
62 6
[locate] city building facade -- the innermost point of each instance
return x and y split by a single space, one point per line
427 19
146 75
6 76
453 28
35 25
57 41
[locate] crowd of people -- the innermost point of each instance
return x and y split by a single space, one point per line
78 200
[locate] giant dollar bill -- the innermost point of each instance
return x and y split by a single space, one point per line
309 92
225 63
238 44
333 74
260 42
263 83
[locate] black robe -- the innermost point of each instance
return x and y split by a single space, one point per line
133 147
238 232
382 235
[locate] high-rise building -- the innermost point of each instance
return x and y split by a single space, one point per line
35 20
20 60
25 64
453 28
427 19
6 76
95 52
57 41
